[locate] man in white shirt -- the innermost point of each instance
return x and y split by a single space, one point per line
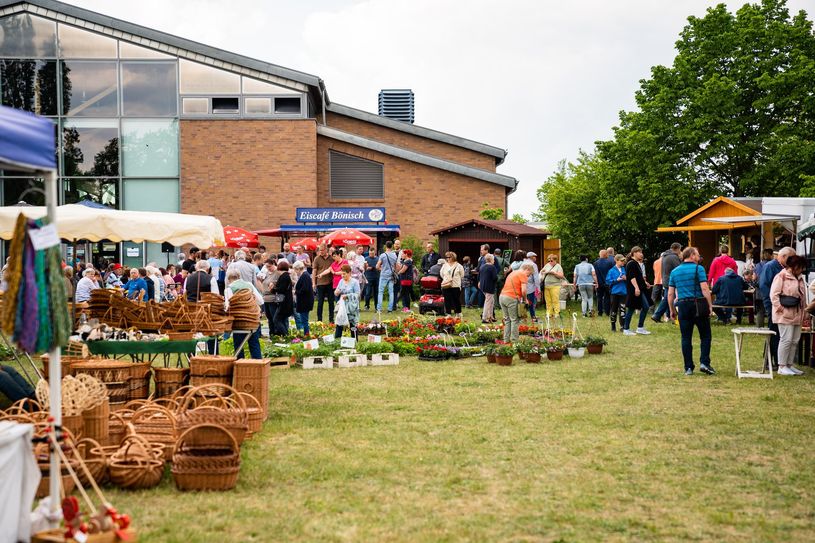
248 271
85 286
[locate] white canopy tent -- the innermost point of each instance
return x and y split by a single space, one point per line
82 222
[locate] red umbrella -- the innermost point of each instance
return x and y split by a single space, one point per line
238 237
308 244
347 236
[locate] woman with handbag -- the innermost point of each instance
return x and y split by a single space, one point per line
405 270
788 297
285 305
348 292
689 299
451 274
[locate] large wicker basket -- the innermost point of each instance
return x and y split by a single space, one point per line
252 377
168 380
206 469
95 461
157 425
135 465
97 421
218 405
140 380
212 365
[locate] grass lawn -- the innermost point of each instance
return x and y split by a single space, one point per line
617 447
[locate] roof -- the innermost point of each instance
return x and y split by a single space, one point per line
507 227
420 158
498 153
163 38
753 203
738 205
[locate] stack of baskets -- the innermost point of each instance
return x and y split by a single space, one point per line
75 399
140 380
99 303
156 424
252 377
211 369
96 412
115 374
168 380
243 307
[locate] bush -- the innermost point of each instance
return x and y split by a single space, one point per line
375 348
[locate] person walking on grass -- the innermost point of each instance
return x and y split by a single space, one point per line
765 282
585 281
552 274
671 259
788 297
533 284
689 300
615 283
637 287
512 296
601 268
451 275
488 284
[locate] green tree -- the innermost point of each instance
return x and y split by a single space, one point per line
734 115
491 213
517 217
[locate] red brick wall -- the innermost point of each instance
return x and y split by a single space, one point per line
409 141
248 173
418 198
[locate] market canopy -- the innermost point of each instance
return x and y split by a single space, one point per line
26 141
81 222
238 238
346 236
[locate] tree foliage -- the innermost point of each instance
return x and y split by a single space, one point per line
517 217
734 115
491 213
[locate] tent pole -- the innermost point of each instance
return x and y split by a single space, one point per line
54 365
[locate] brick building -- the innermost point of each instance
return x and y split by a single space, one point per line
150 121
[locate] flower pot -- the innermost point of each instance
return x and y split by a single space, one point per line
521 355
554 355
503 360
491 359
595 349
577 353
533 358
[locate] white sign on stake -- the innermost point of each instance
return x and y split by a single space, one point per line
372 338
348 342
311 344
329 338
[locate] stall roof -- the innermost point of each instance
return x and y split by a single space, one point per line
752 219
507 227
286 229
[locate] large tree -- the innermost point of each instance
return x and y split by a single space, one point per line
734 115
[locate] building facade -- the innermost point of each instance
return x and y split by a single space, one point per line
149 121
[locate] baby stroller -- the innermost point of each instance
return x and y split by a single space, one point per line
431 300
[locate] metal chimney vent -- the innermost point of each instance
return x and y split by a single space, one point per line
397 104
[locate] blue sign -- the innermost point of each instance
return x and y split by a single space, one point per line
340 214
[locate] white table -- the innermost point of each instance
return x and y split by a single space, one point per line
738 336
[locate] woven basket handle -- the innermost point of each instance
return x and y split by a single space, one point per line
90 445
180 442
19 407
128 442
252 398
218 390
151 411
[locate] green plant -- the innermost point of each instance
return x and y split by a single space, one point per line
491 213
487 336
374 348
596 340
555 346
504 349
527 345
577 343
274 351
433 351
404 348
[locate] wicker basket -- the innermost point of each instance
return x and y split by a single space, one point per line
254 414
207 469
140 380
134 465
208 405
209 377
94 459
157 425
117 426
97 421
43 488
212 365
168 380
252 377
104 369
66 363
74 423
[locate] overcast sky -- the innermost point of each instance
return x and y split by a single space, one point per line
541 78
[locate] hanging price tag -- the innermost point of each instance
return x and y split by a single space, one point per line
45 237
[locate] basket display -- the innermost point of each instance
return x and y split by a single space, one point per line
252 377
96 421
105 369
210 405
206 469
168 380
140 380
135 465
157 425
254 414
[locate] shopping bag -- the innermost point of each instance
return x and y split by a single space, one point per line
341 316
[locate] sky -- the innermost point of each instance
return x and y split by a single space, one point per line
540 78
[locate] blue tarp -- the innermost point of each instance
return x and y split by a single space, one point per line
26 141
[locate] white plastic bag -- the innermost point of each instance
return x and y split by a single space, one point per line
341 316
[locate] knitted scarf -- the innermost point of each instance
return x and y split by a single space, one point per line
15 274
28 303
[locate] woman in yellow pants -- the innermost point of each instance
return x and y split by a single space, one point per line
552 274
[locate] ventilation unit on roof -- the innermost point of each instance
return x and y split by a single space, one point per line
397 104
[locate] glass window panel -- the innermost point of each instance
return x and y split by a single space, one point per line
30 85
29 190
258 106
89 89
90 148
201 79
150 148
253 86
195 106
151 195
77 43
287 106
26 35
149 89
99 190
128 50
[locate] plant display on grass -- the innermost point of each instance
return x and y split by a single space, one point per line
433 352
527 345
447 324
404 348
504 349
274 351
373 327
487 336
555 346
465 328
576 343
596 340
320 329
375 348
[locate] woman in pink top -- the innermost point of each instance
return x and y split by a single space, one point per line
336 268
788 297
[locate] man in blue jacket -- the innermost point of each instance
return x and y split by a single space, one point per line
768 273
729 291
601 268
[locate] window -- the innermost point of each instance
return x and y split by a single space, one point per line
24 35
201 79
195 106
253 86
77 43
287 106
150 148
225 105
90 148
30 85
354 178
258 106
90 89
28 190
149 89
151 195
101 191
128 50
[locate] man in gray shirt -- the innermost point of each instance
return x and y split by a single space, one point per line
670 260
248 271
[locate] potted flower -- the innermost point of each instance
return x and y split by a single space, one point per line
489 350
577 348
433 353
554 350
504 353
594 344
528 349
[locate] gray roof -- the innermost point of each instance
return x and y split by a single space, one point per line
497 152
174 41
413 156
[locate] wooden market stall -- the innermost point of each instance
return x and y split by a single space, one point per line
466 238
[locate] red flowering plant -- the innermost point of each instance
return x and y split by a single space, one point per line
433 351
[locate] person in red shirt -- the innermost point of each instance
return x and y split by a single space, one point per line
721 263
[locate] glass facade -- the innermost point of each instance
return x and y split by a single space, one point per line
116 108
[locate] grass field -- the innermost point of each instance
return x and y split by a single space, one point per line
617 447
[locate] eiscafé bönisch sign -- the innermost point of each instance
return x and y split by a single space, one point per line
340 214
